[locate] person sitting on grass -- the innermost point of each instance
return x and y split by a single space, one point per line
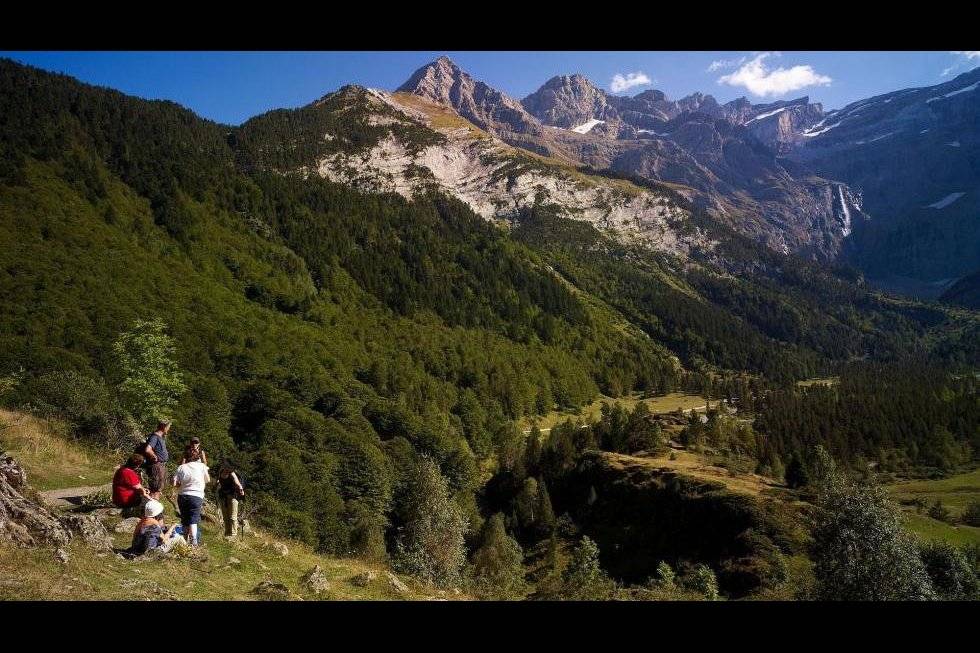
195 445
151 533
128 492
190 480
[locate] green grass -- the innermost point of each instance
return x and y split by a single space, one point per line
928 528
955 492
52 459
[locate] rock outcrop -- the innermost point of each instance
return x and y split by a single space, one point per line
23 521
315 581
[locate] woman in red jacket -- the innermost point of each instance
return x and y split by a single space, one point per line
127 490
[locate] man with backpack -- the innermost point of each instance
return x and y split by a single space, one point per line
154 450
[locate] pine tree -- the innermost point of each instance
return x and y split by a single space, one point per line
584 579
796 473
497 567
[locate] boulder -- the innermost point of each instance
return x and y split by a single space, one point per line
363 579
280 548
396 583
315 580
91 530
62 555
127 525
271 591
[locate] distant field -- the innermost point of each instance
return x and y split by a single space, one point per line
830 380
930 529
663 404
955 492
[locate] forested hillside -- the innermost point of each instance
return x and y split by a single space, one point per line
330 340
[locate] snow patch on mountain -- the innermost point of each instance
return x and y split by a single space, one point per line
846 222
766 115
965 89
872 140
585 128
946 201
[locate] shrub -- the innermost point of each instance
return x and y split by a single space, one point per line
705 582
665 575
971 516
939 511
950 571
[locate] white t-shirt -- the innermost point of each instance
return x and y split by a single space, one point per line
191 478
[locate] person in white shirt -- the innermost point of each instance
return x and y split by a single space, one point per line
190 480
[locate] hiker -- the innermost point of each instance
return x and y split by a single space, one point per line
151 532
155 452
190 480
196 446
230 492
127 490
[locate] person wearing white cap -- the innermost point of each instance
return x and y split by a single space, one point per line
150 533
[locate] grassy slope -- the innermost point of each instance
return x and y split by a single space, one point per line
52 460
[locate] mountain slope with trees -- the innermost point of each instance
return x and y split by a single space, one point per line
359 352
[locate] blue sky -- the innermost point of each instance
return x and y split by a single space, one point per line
230 87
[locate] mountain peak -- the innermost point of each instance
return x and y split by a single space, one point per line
444 82
569 100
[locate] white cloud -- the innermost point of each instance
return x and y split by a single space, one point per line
719 64
762 81
622 83
966 57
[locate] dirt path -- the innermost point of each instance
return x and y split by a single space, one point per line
67 497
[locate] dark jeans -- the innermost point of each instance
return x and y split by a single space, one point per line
190 509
